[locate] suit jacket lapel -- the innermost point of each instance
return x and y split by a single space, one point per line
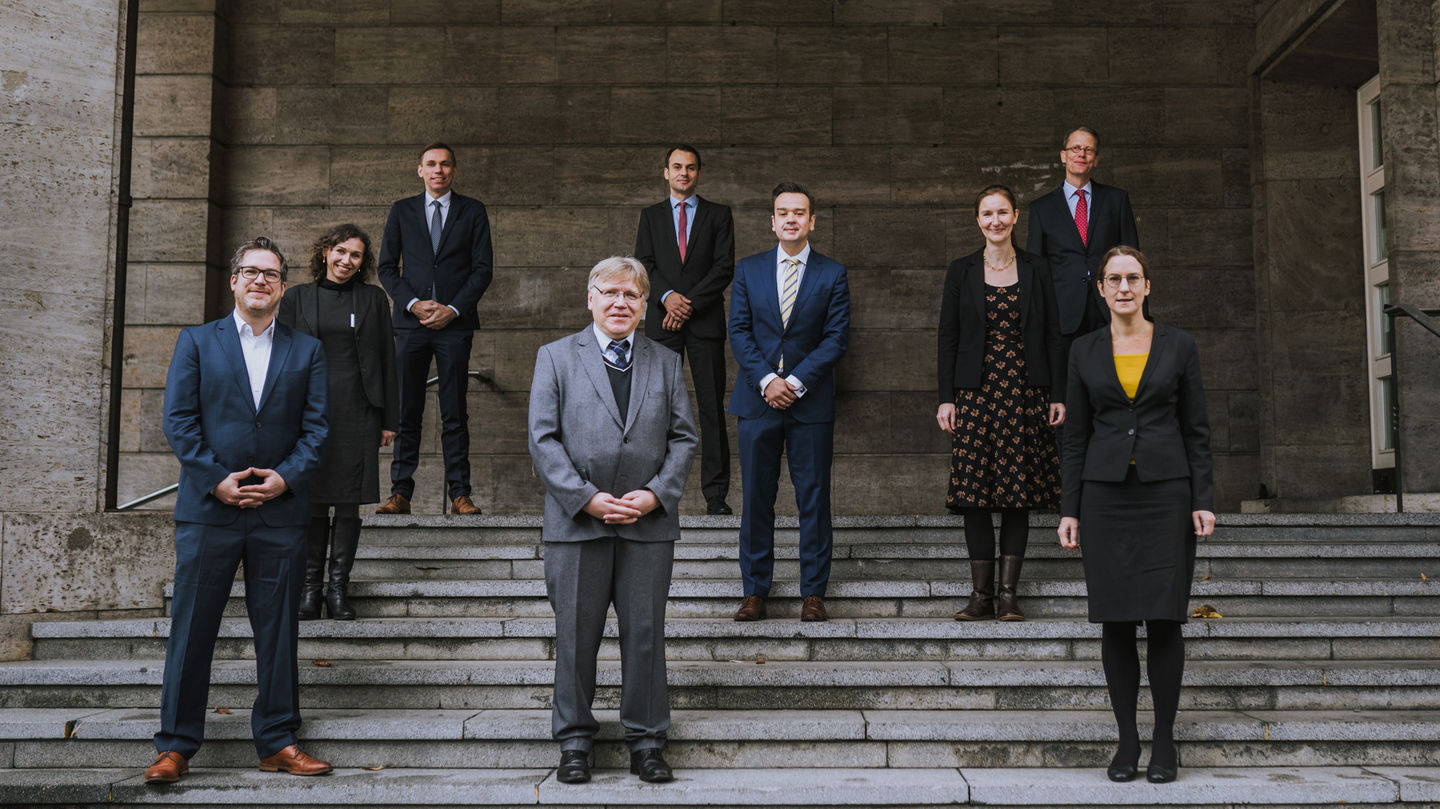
975 280
455 207
587 356
768 299
1158 345
807 282
640 358
279 351
1025 275
230 344
702 211
1093 214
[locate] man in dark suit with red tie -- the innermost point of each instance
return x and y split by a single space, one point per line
1073 226
687 243
436 262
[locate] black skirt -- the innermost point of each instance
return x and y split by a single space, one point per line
1138 543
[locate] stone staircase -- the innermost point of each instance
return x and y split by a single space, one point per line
1321 683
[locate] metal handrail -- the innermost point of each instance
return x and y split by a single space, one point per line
155 495
174 487
1425 318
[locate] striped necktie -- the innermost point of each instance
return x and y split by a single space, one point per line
788 289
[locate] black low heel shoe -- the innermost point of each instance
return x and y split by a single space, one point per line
1123 769
574 767
1161 774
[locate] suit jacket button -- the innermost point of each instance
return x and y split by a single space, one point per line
627 439
257 425
1132 431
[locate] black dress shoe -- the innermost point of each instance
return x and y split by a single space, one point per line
650 766
574 767
1125 765
1159 774
717 505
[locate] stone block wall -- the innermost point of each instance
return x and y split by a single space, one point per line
893 113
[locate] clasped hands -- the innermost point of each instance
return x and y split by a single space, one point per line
678 310
231 493
433 314
1069 530
780 394
622 510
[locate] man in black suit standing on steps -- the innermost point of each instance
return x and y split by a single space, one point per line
436 262
1073 226
688 246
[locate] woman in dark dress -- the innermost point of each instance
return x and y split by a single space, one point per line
352 320
1138 491
1001 373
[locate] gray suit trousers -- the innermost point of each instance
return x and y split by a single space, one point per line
582 580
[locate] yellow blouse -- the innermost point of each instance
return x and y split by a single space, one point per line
1129 367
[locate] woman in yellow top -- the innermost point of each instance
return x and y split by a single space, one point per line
1137 491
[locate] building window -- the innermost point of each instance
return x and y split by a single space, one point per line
1376 274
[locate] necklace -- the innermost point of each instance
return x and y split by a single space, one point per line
1000 267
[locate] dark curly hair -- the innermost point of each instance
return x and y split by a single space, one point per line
338 234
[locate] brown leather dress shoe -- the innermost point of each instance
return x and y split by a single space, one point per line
752 608
397 504
294 761
167 768
814 609
463 505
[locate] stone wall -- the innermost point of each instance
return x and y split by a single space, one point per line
892 113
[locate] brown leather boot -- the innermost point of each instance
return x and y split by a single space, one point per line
397 504
982 594
1009 580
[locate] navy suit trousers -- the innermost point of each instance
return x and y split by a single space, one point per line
206 557
810 447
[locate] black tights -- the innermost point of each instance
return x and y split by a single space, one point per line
980 534
319 510
1165 663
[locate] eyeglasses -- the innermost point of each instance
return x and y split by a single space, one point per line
251 273
1117 281
613 295
1081 150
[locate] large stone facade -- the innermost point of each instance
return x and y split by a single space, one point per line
894 114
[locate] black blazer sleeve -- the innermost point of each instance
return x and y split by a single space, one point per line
1195 426
1054 343
481 265
709 290
1079 424
379 339
948 349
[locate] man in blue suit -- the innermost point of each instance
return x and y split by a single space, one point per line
789 325
245 414
436 262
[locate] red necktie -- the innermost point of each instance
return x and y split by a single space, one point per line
681 228
1082 217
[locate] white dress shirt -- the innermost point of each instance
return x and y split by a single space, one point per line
256 348
780 258
430 201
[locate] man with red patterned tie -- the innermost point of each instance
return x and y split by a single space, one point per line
687 244
1073 226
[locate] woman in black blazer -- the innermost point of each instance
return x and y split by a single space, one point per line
352 320
1137 479
1001 373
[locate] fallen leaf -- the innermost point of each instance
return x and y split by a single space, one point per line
220 710
375 768
324 664
759 660
1205 577
1205 611
1424 577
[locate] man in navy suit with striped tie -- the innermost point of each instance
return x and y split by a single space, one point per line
436 262
789 326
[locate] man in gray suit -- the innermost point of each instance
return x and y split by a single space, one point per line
612 439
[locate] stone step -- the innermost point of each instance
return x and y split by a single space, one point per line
746 684
910 529
751 788
781 639
1042 598
514 739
